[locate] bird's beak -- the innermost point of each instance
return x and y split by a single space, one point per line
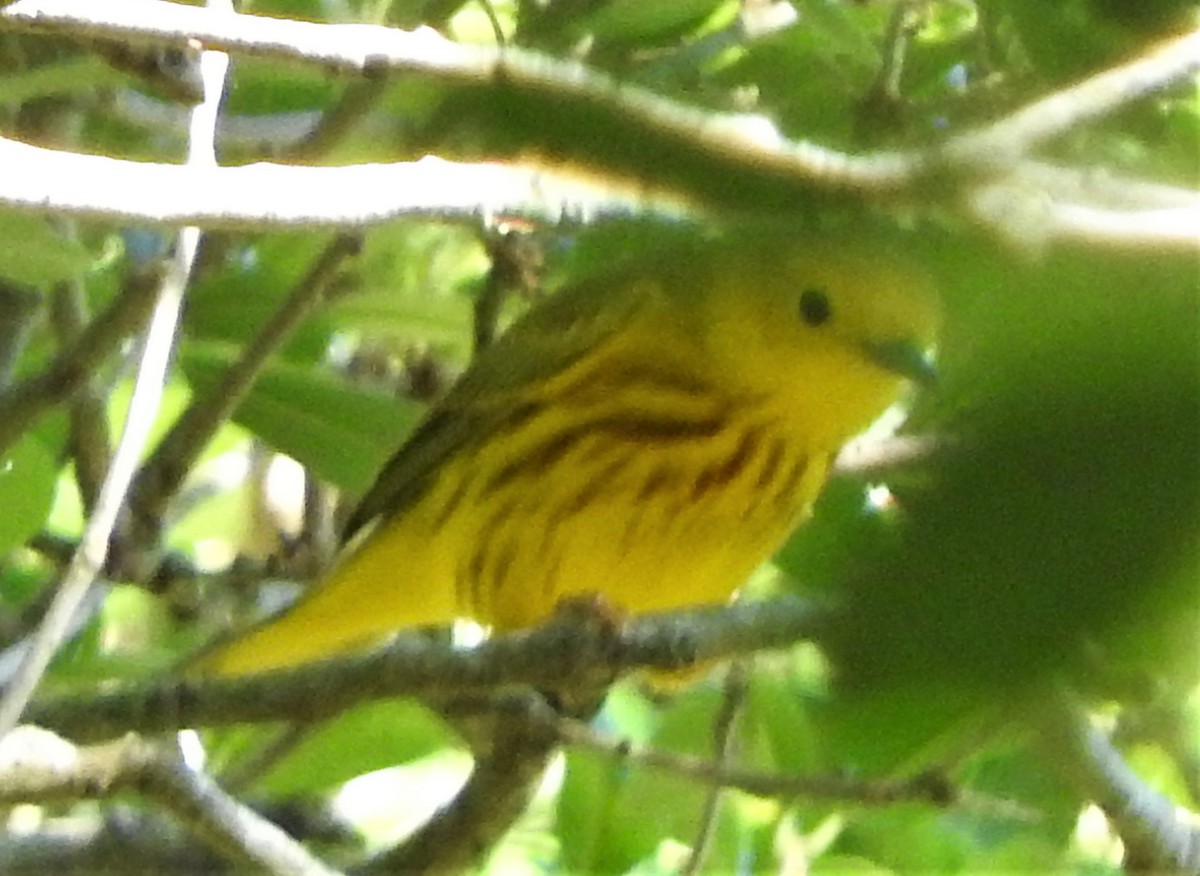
905 358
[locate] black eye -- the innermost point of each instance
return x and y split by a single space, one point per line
815 308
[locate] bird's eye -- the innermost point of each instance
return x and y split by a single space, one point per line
815 308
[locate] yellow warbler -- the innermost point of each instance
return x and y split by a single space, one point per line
648 437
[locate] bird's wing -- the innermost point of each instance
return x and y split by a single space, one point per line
548 339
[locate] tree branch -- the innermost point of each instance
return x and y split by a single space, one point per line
24 403
1000 144
562 655
929 788
1146 820
37 766
89 440
750 144
362 49
276 196
510 756
79 578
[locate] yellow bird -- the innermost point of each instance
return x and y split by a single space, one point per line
649 437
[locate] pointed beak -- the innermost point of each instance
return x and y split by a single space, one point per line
904 358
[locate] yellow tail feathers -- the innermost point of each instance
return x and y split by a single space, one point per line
391 582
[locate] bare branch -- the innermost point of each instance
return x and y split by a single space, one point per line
562 655
728 160
509 764
90 441
19 308
725 722
273 196
1029 216
37 766
749 144
1145 819
1015 136
80 577
21 406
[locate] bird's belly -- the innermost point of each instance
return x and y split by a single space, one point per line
639 550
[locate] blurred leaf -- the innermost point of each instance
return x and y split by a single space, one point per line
20 584
1067 506
1063 39
364 739
906 838
778 711
234 302
585 804
612 815
811 74
28 474
266 87
341 433
174 400
33 253
848 865
70 74
632 21
133 621
410 281
842 526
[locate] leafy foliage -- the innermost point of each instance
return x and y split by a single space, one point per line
1051 536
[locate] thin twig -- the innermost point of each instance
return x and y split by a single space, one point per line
71 368
724 746
77 580
249 768
929 788
90 441
37 766
336 123
19 309
162 474
882 106
320 529
895 46
81 574
516 262
497 30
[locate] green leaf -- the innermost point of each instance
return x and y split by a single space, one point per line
364 739
409 285
28 474
585 806
633 21
1066 512
233 303
907 838
33 253
612 815
342 434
